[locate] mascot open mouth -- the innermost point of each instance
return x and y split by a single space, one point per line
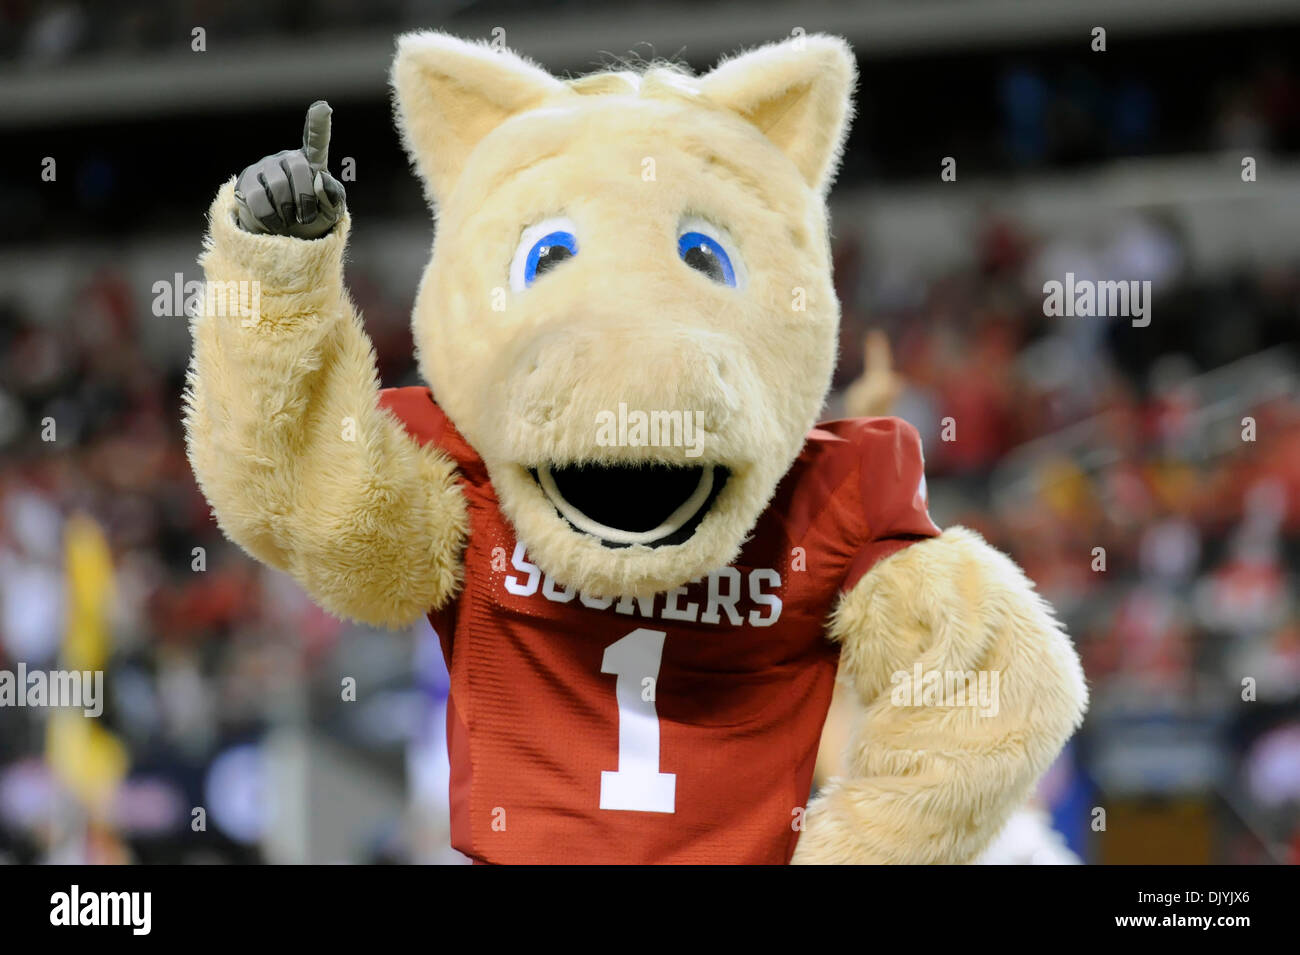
624 504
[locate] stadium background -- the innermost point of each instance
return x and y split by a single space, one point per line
1072 433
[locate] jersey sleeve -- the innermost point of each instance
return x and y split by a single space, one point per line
892 492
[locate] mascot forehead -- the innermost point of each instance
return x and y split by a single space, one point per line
621 134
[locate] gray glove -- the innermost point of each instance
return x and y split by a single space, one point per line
292 192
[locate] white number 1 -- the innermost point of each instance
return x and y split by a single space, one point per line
637 785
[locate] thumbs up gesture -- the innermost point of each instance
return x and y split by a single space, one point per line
875 392
292 192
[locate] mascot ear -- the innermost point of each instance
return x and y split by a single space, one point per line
451 93
799 93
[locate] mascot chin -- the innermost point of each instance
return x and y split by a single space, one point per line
644 559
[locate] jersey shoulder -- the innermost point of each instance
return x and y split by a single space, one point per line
428 424
868 476
877 463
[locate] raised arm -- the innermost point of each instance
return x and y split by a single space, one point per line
934 777
285 434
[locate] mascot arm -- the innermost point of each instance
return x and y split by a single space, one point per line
286 437
936 783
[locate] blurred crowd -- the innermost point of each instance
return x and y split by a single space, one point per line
46 32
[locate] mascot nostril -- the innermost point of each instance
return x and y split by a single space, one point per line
541 411
643 557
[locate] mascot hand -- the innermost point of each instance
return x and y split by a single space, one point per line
292 192
874 393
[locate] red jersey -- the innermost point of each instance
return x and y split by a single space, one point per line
678 728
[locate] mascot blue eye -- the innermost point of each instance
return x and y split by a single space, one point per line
548 252
705 254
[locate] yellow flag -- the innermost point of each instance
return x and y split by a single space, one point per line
86 757
89 568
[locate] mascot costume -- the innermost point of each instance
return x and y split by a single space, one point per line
644 561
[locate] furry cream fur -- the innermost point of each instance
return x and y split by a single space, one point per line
307 473
288 444
937 783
